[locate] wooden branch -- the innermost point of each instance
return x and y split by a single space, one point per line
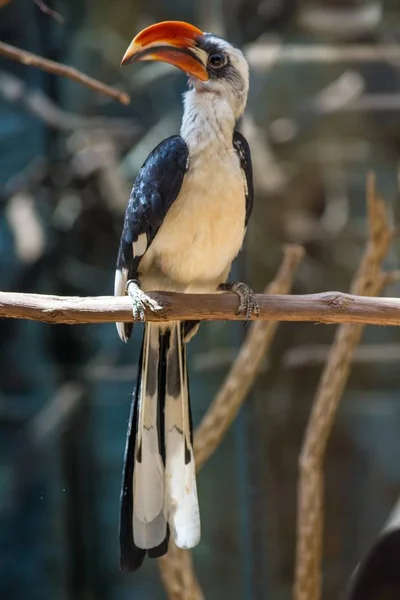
178 575
48 11
177 571
368 280
15 90
244 370
327 307
50 66
264 54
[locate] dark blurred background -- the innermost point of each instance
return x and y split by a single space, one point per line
323 111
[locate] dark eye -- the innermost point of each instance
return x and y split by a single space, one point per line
217 60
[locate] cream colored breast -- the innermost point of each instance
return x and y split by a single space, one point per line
203 230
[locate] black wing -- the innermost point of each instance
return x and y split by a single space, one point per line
243 149
156 187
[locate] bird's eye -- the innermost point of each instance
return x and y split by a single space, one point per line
217 60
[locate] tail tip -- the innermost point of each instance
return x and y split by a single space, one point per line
122 332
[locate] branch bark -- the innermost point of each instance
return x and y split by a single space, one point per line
16 91
327 307
50 66
368 280
177 571
178 575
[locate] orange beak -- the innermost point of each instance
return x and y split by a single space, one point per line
173 42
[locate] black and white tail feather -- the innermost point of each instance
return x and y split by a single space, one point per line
159 493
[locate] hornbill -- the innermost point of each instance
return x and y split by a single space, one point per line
184 224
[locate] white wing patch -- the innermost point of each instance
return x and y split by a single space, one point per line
121 277
246 188
242 158
140 246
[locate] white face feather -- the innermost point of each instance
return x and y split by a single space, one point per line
233 89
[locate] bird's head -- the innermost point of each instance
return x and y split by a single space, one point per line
212 64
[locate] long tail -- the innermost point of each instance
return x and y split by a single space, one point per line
181 505
159 486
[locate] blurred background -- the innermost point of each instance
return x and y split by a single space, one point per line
323 111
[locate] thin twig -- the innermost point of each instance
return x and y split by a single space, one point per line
369 281
327 307
14 90
305 355
177 570
48 11
28 58
265 55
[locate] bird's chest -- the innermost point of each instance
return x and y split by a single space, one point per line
203 230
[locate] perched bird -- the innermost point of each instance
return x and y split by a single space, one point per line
184 225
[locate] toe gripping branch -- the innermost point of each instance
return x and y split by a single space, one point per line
248 304
140 300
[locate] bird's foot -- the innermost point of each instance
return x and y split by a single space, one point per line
140 300
248 304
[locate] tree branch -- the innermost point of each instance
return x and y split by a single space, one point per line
264 54
177 571
178 575
50 66
244 370
327 307
49 11
368 280
16 91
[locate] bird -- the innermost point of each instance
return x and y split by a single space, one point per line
184 225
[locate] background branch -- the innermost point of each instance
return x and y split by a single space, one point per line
368 280
48 11
16 91
265 55
177 571
244 370
50 66
178 575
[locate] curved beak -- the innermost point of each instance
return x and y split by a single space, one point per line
173 42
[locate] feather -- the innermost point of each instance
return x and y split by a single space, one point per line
131 557
121 278
181 503
149 535
148 479
140 246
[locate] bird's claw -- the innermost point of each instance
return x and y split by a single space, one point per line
248 303
140 300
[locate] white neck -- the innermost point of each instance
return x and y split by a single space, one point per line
208 121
